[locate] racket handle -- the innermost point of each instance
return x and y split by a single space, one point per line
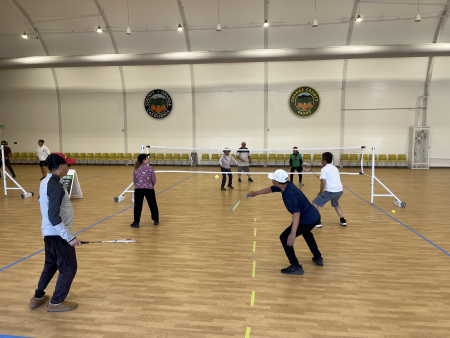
85 242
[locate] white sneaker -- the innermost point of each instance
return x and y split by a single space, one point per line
318 226
301 183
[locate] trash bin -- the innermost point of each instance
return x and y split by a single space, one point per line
194 160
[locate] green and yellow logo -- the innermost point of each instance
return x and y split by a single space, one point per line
304 101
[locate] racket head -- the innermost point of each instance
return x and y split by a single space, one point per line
306 166
235 205
124 241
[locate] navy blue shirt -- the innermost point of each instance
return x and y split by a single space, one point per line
296 201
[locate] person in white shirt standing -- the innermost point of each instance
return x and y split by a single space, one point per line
244 160
331 188
42 154
225 161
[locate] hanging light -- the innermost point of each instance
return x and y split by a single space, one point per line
128 28
265 24
358 18
180 28
315 22
24 35
218 28
99 29
418 17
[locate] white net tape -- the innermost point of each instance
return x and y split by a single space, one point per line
206 160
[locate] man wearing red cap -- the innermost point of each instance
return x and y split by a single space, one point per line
295 163
60 243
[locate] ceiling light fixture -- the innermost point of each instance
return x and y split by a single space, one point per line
359 18
266 24
418 17
218 28
315 22
180 28
128 28
24 35
99 29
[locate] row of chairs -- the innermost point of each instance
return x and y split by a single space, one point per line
213 159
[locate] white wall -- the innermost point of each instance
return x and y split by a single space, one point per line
229 106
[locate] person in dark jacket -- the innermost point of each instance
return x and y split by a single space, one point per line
296 163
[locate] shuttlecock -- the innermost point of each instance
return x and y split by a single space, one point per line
217 177
393 211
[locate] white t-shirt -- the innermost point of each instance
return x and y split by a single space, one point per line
42 153
331 174
243 153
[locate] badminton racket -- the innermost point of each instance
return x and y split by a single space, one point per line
238 202
307 167
116 241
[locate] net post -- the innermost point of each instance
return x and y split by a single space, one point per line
373 174
142 149
148 150
362 163
4 170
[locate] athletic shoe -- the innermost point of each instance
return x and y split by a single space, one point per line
41 178
230 186
318 226
293 270
223 188
64 306
36 302
343 221
14 176
318 261
134 225
250 179
301 183
239 180
156 223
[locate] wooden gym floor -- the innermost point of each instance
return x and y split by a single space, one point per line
192 276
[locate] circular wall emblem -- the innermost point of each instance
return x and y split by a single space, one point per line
304 101
158 103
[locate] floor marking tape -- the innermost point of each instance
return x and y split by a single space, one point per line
254 268
254 246
252 302
247 333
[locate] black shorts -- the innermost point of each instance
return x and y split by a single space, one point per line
42 164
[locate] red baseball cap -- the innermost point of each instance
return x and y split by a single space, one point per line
56 159
295 148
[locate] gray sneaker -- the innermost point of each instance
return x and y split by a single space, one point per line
301 183
64 306
318 261
293 270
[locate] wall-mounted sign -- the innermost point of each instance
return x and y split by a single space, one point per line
304 101
158 103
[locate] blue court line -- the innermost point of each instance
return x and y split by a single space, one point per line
407 227
3 336
84 179
6 267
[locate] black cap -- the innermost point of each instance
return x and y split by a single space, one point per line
142 157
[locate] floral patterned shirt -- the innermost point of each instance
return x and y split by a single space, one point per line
144 177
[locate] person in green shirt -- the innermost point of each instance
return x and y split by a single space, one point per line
295 163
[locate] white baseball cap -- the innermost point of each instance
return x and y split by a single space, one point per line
279 175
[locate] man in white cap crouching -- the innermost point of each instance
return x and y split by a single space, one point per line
304 218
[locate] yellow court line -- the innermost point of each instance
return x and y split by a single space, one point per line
254 246
254 233
247 333
254 268
255 219
252 302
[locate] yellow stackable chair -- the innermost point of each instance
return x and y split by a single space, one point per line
354 158
120 158
205 159
22 158
168 160
135 157
112 158
215 159
82 158
30 158
159 158
152 158
272 160
317 159
97 158
392 159
287 158
402 159
307 158
104 159
255 160
367 159
382 159
344 159
90 158
67 155
176 159
128 158
185 159
14 157
280 160
263 159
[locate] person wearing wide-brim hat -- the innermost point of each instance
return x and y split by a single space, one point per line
60 243
144 180
304 218
225 161
295 162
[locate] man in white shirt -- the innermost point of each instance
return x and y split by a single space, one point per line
244 160
42 154
331 188
225 162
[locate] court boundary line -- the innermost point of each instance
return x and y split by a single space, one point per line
407 227
21 260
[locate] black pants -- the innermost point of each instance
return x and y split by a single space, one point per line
59 255
305 230
224 177
299 169
8 165
139 195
